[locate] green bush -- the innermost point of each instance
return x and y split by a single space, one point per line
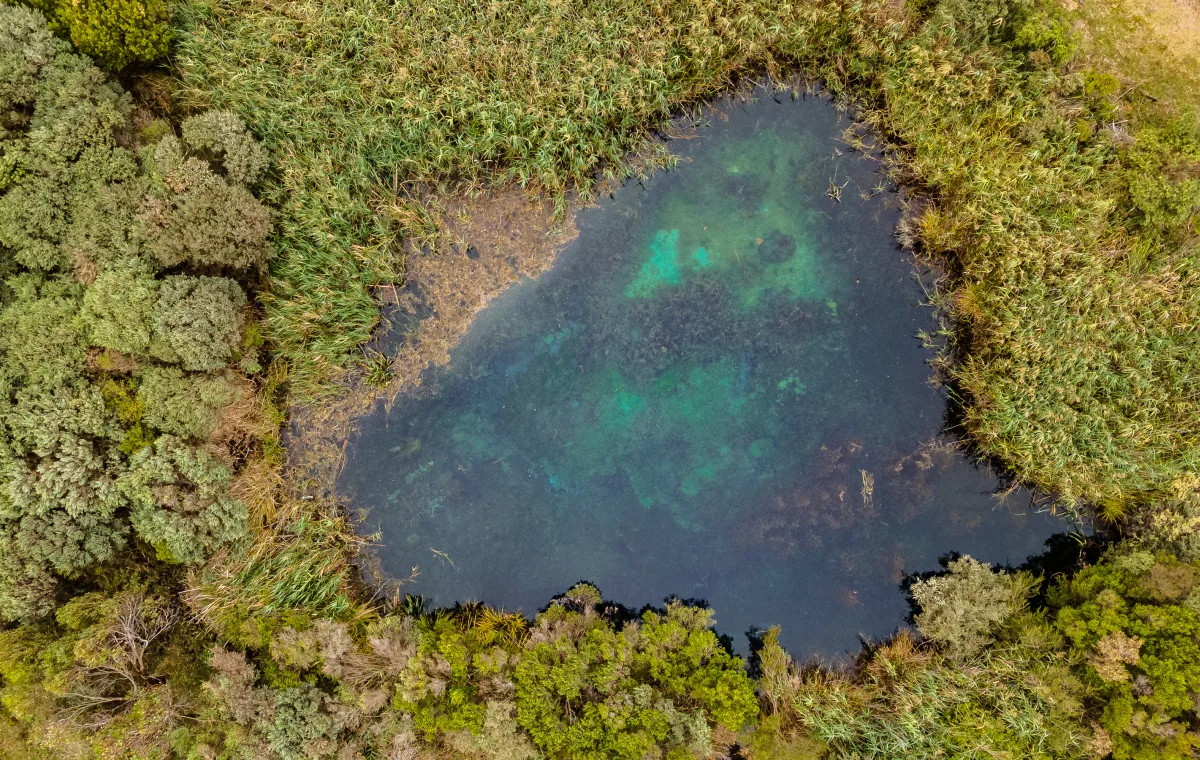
179 502
198 321
114 33
118 309
962 610
657 683
1136 619
88 682
182 404
1019 697
1163 173
208 219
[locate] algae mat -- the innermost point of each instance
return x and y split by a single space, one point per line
716 392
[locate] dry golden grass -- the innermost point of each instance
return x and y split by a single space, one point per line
243 424
1150 44
511 238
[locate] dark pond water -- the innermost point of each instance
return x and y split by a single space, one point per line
716 392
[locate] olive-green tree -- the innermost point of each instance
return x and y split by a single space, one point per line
112 370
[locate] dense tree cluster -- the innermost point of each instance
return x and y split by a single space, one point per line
479 683
1135 622
119 327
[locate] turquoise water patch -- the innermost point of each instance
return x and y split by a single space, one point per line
662 268
716 392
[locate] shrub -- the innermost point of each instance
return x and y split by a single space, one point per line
215 224
198 321
42 333
962 610
205 219
293 721
654 684
1163 173
115 33
500 738
182 404
222 136
27 589
89 681
1017 698
179 500
118 309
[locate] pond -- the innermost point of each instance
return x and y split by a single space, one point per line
716 392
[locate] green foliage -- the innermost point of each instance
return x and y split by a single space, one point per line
27 589
118 309
85 306
299 723
42 333
209 219
1099 92
198 321
457 681
657 683
294 718
114 33
1131 617
222 136
962 610
89 681
1163 173
178 500
456 666
500 738
183 404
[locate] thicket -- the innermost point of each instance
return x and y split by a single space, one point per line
113 356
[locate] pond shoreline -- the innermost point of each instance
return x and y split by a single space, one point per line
819 278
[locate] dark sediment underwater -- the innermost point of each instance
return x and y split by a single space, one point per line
717 392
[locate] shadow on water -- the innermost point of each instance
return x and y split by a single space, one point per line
716 392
